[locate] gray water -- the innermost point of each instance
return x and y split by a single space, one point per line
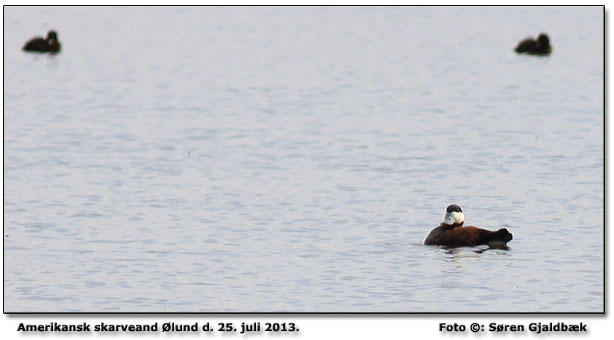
293 159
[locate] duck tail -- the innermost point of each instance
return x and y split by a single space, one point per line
499 239
504 235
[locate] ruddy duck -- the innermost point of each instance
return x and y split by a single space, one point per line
451 232
38 44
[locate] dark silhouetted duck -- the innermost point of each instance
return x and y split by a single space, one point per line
451 232
38 44
541 46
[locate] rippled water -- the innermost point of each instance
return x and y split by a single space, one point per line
293 159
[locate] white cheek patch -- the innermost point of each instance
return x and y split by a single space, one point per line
453 218
459 217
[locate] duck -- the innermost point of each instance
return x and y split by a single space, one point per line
451 233
541 46
38 44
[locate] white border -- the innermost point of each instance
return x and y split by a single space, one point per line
335 326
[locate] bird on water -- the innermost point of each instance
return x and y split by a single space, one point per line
451 232
541 46
49 44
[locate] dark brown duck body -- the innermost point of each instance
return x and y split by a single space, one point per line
38 44
469 236
451 232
